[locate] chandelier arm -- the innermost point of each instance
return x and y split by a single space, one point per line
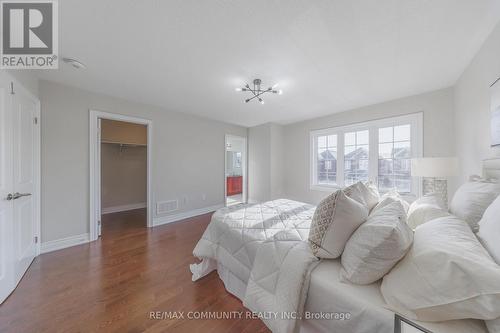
248 100
250 89
260 93
257 95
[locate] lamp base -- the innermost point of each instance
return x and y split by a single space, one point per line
437 186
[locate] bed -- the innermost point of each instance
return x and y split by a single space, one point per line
231 244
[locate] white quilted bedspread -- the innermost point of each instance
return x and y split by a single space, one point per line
265 246
235 232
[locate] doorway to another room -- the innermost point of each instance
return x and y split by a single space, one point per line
120 171
123 175
235 170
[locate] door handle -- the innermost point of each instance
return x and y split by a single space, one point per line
16 195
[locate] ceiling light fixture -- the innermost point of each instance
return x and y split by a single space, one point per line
75 63
257 91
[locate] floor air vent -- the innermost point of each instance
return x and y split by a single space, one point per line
164 207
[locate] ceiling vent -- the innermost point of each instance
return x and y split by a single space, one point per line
164 207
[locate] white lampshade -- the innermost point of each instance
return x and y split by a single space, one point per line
434 167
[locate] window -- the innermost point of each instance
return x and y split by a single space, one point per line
326 159
379 151
356 156
394 158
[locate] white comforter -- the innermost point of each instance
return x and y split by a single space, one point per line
264 246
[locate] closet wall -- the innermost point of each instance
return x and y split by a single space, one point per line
123 166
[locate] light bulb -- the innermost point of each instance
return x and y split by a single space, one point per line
261 101
238 89
280 92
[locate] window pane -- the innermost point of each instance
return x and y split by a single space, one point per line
385 150
356 154
402 133
350 139
362 151
332 177
326 160
385 134
394 158
385 167
385 183
348 150
321 141
402 149
332 141
362 137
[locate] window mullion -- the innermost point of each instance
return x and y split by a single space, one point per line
373 155
340 159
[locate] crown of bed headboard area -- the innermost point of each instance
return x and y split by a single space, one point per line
491 168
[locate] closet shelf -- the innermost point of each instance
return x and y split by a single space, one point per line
124 144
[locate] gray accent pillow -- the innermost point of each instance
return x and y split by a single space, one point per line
334 221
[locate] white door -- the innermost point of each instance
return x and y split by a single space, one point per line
6 186
18 184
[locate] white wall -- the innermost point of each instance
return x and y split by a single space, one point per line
123 175
472 107
437 107
259 163
266 162
277 163
188 156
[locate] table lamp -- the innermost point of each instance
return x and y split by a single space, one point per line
434 171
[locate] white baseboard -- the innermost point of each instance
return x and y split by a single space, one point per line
123 208
63 243
184 215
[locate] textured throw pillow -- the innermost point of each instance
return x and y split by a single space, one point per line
334 221
377 245
446 275
424 209
489 230
364 193
471 200
389 197
372 195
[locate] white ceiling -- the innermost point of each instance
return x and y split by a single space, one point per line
327 56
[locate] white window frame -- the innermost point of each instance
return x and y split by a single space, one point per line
415 120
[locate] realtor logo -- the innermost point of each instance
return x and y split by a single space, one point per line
29 35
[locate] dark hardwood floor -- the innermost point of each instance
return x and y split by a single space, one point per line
113 284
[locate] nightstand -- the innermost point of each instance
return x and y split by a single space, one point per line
403 325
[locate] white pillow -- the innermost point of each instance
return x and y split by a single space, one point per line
489 230
373 196
334 221
493 325
425 209
446 275
377 245
364 193
389 197
471 200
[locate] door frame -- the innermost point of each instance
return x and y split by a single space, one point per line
243 166
95 166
